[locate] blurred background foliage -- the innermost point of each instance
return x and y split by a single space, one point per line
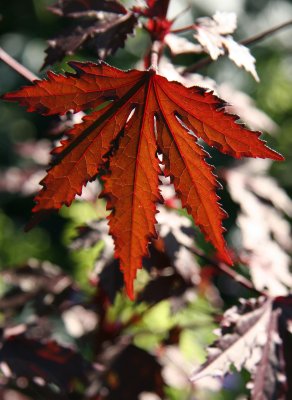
24 28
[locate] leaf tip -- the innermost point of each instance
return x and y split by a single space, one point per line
129 286
277 156
224 256
7 96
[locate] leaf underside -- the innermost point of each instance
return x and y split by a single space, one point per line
145 115
249 337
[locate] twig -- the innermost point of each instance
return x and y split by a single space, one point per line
178 16
228 271
246 42
22 70
256 38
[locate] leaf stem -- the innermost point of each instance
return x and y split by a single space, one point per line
19 68
184 29
246 42
228 271
177 17
155 55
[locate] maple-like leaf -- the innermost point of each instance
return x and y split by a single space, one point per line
102 26
145 114
239 102
268 380
214 37
249 337
241 335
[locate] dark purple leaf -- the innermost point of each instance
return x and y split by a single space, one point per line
88 8
250 338
268 380
134 371
163 287
100 26
242 335
53 363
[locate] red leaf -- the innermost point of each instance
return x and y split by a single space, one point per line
132 187
147 114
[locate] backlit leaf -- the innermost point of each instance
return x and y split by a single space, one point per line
142 115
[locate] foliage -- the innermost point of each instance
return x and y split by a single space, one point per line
135 138
147 116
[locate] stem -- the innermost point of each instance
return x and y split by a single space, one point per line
19 68
177 17
256 38
155 55
228 271
184 29
246 42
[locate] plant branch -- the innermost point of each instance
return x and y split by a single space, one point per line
260 36
19 68
228 271
246 42
177 17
